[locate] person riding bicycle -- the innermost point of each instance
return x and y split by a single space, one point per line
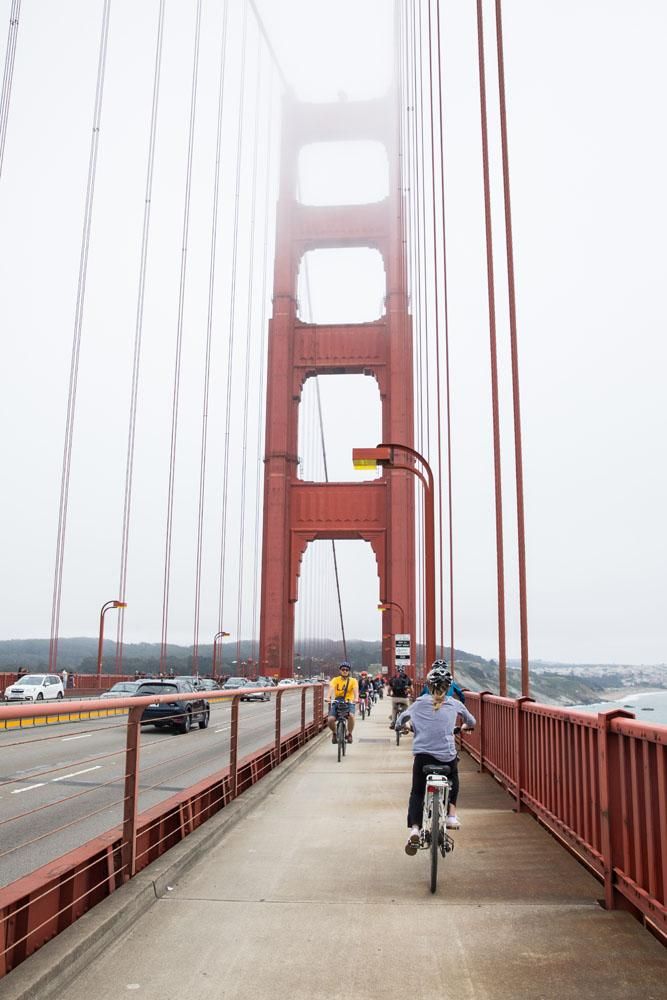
343 687
400 689
365 684
455 690
433 717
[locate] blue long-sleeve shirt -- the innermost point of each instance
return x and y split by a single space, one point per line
434 730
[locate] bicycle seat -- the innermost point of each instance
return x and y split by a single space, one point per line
437 769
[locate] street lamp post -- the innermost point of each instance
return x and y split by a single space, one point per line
100 643
383 455
218 635
386 605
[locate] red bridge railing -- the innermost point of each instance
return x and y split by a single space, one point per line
39 905
597 782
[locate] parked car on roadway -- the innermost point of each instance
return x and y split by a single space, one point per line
35 687
123 689
234 683
178 714
252 691
267 681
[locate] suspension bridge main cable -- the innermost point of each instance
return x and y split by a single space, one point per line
209 334
8 75
76 340
179 344
138 334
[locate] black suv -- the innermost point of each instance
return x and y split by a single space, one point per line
178 714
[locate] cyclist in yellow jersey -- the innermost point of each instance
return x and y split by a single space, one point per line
343 686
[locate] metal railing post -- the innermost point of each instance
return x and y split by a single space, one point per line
480 725
234 747
303 715
279 698
131 798
604 776
519 755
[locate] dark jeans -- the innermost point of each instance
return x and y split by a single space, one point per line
416 803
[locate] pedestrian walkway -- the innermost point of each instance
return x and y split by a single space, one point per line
311 897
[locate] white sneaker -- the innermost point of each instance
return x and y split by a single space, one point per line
453 823
412 845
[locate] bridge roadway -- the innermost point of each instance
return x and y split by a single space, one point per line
63 785
309 895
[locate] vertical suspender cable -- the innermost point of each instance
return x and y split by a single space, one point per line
209 337
447 378
502 664
179 345
76 341
262 363
232 309
8 75
438 405
138 331
248 343
525 680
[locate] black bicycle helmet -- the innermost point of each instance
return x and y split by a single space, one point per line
345 666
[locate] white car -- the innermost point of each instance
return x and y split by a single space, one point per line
35 687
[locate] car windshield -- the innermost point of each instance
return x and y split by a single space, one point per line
235 680
34 679
118 688
157 689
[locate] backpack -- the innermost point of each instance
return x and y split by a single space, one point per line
400 685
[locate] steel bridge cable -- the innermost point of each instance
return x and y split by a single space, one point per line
262 361
325 464
437 331
138 334
447 370
500 560
232 311
511 291
8 75
76 340
248 343
209 335
179 344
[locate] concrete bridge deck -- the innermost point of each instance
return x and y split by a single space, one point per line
310 896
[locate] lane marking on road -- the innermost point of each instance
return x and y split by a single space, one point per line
83 736
74 774
28 788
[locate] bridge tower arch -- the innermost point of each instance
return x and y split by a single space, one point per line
297 512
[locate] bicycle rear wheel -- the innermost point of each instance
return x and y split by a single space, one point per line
435 833
362 708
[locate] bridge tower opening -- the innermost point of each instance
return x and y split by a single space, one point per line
296 512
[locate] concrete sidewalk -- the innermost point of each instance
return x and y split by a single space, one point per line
311 897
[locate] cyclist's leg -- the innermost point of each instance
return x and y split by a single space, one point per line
454 786
331 722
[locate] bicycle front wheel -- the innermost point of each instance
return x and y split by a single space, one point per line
362 709
435 834
340 735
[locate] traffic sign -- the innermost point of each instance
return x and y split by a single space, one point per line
402 654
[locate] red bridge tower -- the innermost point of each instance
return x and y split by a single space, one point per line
296 512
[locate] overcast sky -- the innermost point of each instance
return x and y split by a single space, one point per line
585 86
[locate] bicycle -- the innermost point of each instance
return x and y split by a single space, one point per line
342 709
398 706
433 836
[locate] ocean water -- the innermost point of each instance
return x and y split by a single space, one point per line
649 706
